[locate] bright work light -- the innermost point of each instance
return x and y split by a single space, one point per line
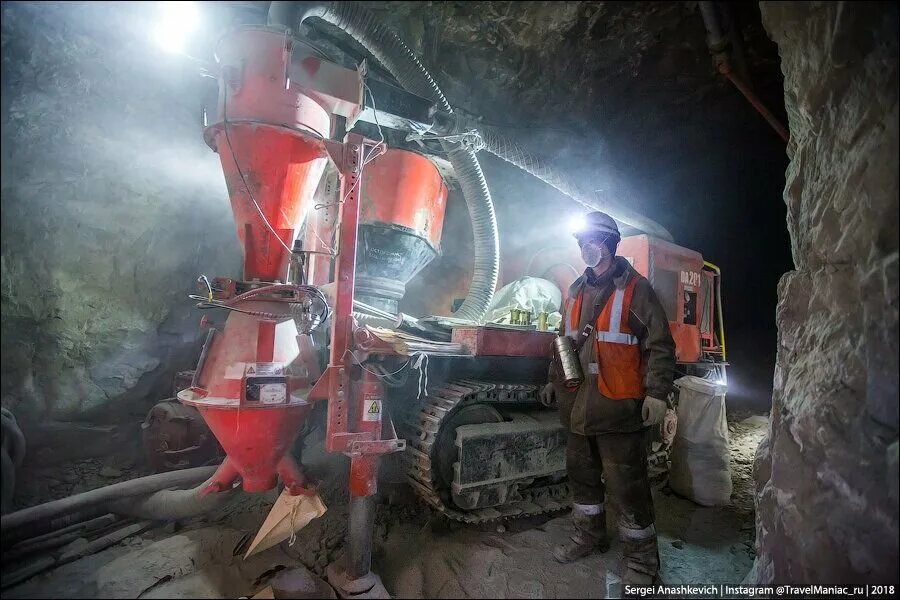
178 20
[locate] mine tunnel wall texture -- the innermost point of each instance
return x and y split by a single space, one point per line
827 471
112 205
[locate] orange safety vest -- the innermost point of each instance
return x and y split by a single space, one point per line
618 352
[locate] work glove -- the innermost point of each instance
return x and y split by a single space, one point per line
548 395
653 411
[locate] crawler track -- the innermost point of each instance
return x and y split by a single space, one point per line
422 429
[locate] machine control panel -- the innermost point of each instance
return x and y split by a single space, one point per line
265 390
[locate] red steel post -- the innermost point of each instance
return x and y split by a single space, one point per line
351 163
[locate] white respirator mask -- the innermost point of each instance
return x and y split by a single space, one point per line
593 253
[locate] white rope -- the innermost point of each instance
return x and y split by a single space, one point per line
420 363
293 537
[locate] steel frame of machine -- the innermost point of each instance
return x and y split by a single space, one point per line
355 419
278 110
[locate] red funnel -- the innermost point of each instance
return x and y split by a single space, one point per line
255 439
274 171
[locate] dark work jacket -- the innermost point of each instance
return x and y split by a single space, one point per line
587 411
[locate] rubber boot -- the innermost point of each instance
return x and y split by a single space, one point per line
641 558
590 536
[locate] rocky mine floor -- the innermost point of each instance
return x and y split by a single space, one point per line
417 553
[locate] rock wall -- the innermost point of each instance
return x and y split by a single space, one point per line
827 472
112 205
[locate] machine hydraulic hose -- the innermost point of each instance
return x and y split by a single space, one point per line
399 60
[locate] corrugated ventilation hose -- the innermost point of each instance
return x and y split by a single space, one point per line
397 58
502 147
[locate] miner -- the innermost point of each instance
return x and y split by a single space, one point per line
627 357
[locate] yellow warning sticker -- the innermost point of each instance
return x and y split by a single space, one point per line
373 410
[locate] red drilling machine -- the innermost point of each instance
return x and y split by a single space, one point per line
332 226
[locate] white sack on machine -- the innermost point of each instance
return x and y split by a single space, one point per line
528 293
701 468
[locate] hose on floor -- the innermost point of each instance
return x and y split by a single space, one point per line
148 497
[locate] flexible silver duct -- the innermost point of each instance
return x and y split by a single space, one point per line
397 58
502 147
497 143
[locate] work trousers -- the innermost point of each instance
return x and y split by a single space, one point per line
620 459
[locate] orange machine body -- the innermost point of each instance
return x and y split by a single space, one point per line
404 188
402 205
676 275
275 172
269 137
685 289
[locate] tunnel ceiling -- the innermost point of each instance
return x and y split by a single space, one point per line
616 67
569 63
580 60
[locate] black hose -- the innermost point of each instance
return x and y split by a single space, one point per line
715 39
105 495
12 453
40 528
400 61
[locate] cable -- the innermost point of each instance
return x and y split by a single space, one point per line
241 173
376 374
256 313
208 286
541 251
374 111
331 251
560 264
362 306
376 151
421 363
395 381
307 290
366 160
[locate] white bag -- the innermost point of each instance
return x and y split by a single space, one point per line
533 294
700 457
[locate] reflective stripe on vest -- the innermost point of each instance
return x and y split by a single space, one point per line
615 335
617 349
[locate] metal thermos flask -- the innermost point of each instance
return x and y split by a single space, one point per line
568 365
